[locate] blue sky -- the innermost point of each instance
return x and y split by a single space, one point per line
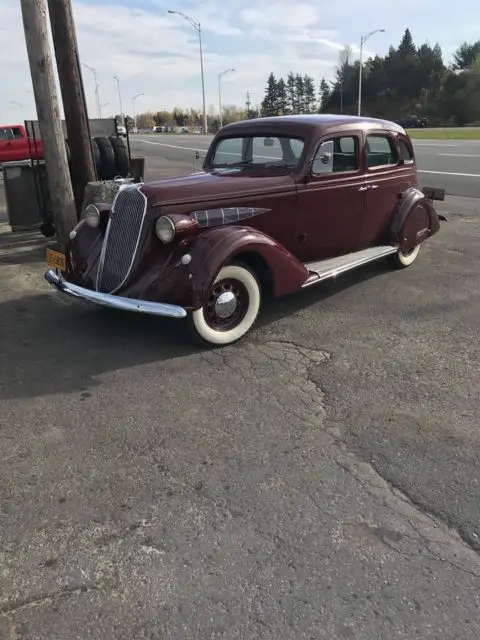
156 54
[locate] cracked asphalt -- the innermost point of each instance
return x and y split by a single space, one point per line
317 480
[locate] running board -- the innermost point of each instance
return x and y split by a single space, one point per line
332 267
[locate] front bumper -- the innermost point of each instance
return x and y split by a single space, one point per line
114 302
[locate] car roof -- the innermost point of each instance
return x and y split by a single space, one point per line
309 124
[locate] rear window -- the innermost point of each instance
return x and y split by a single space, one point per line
405 152
6 134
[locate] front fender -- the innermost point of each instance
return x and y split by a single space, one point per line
217 247
414 220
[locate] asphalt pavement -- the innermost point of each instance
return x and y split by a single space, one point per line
319 479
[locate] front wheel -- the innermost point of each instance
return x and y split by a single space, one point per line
401 260
231 307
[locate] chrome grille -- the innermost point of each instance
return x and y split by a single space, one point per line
121 238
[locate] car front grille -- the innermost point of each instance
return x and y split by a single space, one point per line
121 238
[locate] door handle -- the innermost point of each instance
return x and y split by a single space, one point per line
363 188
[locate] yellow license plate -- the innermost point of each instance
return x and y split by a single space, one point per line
56 260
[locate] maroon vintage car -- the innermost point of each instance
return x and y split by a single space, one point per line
281 204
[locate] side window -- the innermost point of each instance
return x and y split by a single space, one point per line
336 156
229 150
380 151
17 133
405 152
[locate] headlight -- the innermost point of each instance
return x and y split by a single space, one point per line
165 229
92 216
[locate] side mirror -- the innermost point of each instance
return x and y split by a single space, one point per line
325 158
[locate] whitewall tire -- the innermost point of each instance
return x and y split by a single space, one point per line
402 260
231 307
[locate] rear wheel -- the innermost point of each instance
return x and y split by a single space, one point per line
231 307
403 259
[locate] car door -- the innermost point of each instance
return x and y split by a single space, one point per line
387 176
331 201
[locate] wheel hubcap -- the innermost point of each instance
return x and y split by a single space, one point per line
225 304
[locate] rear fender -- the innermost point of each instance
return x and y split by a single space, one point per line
414 220
215 248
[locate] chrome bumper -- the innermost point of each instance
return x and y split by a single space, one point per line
115 302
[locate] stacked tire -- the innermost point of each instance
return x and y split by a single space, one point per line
111 157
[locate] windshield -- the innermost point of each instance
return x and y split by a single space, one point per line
258 151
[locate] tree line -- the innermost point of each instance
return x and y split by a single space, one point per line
409 80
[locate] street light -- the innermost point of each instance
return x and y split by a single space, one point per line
220 76
363 39
119 97
99 108
197 27
137 95
17 103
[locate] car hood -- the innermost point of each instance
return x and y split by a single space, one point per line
216 185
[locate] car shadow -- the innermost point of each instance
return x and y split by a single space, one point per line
53 346
316 294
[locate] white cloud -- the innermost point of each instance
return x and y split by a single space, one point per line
284 15
157 54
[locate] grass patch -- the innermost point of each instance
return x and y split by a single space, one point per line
459 133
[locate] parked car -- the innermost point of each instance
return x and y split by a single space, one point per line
282 204
15 145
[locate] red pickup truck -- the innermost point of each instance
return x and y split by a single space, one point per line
15 145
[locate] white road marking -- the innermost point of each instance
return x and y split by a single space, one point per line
459 155
450 173
435 144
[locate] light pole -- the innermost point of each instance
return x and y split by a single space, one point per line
197 27
119 98
97 97
220 76
137 95
363 39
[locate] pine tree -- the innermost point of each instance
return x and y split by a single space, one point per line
281 106
269 103
309 94
291 93
324 96
407 47
300 94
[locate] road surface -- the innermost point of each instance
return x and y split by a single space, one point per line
450 165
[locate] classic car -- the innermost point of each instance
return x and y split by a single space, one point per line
281 204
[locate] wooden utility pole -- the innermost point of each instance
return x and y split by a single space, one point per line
34 13
73 96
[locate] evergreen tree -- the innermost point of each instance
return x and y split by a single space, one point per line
407 47
324 96
300 94
291 94
281 106
309 94
270 101
465 55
